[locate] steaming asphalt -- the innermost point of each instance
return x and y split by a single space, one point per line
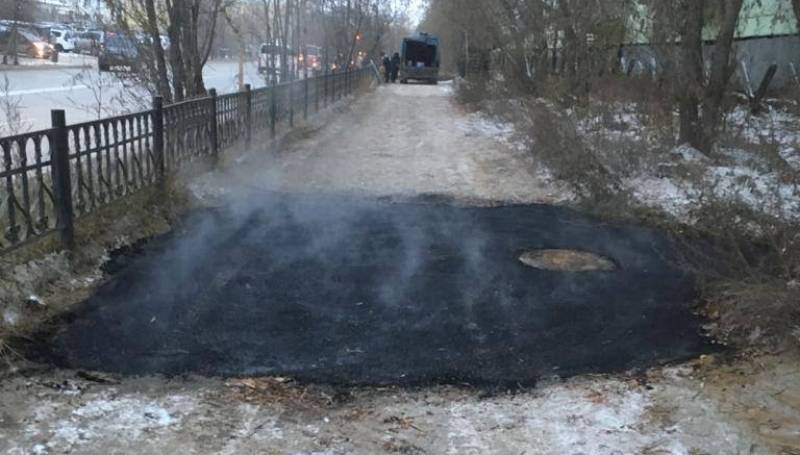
360 291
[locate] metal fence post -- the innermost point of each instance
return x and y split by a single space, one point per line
62 182
333 86
212 120
248 96
158 137
305 96
325 99
273 109
291 103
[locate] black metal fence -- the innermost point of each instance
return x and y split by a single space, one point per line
50 177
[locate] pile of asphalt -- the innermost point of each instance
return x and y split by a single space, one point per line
351 291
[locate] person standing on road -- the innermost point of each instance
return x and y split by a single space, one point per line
387 67
395 66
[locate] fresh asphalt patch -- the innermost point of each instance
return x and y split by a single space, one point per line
353 291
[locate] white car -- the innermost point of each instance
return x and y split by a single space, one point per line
63 40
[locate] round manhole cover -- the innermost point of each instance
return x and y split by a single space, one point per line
561 260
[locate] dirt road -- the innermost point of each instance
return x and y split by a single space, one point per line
406 140
403 140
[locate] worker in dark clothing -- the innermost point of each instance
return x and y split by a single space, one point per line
387 67
395 66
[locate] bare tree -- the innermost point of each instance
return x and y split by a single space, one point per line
190 26
10 105
532 39
153 32
347 28
16 10
701 95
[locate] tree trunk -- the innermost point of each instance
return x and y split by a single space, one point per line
691 71
175 12
722 68
287 19
162 81
189 31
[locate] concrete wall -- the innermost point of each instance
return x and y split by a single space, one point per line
757 54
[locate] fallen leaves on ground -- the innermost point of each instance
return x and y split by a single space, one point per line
267 390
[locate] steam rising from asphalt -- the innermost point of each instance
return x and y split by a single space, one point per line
356 289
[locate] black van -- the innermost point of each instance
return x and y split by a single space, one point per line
419 59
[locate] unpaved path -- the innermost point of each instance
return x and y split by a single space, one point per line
407 140
751 408
404 140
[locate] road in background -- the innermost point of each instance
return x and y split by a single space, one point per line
85 94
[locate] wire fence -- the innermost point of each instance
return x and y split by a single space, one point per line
50 177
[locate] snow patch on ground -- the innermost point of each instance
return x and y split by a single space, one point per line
792 157
589 417
105 417
756 189
673 197
689 154
773 126
759 190
462 436
620 121
743 170
10 317
478 124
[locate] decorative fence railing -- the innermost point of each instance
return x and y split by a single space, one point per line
50 177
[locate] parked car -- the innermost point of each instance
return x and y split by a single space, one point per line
89 42
27 43
144 39
63 40
119 52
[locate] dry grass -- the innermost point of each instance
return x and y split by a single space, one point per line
8 355
748 266
62 279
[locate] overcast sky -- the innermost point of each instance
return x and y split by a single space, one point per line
416 10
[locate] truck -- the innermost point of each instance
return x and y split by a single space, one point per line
419 59
269 61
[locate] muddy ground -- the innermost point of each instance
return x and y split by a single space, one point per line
740 405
